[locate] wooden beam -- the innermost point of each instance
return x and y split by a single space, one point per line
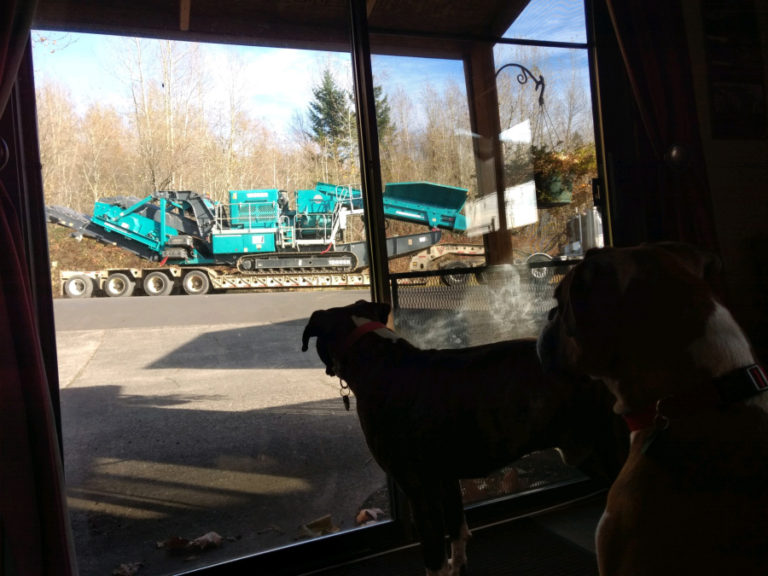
369 6
185 7
484 120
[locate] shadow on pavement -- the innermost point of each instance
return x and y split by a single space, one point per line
269 346
143 468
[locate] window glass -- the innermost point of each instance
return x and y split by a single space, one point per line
550 20
548 149
427 159
194 428
454 295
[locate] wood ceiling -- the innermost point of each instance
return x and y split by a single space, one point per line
414 27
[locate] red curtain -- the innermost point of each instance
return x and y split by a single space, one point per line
35 537
652 39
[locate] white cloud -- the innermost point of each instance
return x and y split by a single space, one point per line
275 83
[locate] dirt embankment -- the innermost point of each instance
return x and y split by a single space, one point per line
67 253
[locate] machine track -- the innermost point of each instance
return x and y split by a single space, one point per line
295 262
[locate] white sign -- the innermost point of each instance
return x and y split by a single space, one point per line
520 207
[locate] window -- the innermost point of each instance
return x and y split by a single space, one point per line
195 432
454 295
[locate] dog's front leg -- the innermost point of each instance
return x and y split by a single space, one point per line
458 531
427 507
459 551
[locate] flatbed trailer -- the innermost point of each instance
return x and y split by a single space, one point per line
124 282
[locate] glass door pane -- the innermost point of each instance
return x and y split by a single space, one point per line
450 296
195 430
548 150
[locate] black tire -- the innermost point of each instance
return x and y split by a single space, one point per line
78 286
454 279
539 273
119 285
196 283
157 284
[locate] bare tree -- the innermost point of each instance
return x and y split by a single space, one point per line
101 156
58 130
166 84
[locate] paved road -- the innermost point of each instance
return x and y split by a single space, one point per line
185 415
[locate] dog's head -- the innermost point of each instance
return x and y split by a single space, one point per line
629 315
333 326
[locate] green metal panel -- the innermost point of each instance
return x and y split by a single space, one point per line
253 208
434 205
247 243
427 194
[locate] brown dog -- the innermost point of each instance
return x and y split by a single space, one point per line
431 417
692 497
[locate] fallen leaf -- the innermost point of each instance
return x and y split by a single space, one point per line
319 527
174 545
209 540
129 569
368 515
178 545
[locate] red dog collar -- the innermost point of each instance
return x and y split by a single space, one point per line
732 387
358 333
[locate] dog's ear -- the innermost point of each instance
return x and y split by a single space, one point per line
312 329
703 263
676 279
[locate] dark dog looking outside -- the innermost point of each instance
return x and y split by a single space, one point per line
432 417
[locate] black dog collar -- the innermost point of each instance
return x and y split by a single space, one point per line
732 387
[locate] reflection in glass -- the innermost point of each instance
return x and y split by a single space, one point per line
548 163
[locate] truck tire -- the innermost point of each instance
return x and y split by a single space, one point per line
196 282
119 285
78 286
157 284
539 274
454 279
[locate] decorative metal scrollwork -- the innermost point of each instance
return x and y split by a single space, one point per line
524 75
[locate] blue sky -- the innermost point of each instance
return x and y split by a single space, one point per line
277 82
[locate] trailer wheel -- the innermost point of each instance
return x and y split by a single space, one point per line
450 279
119 285
196 282
481 277
539 273
78 286
157 284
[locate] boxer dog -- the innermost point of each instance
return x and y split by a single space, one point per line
692 497
431 417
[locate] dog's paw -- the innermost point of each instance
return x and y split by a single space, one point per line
446 570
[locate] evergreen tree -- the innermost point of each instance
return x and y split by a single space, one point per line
383 115
333 124
330 118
